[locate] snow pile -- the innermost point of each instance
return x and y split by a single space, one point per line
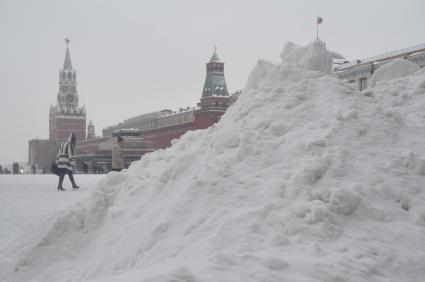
303 179
313 56
396 69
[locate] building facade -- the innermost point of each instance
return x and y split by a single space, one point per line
163 126
95 155
359 72
65 117
41 153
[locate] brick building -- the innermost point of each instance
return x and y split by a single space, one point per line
65 117
143 133
41 152
163 126
95 155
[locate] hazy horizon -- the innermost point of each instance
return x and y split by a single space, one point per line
135 57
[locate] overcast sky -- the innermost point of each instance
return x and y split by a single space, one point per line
135 57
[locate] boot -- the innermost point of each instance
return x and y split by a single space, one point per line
74 186
60 188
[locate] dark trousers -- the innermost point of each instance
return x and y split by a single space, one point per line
62 173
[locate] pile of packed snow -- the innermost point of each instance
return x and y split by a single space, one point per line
303 179
313 56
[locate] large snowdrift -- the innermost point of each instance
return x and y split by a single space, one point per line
303 179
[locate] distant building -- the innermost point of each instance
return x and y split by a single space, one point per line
41 153
95 155
143 133
65 117
163 126
359 72
90 131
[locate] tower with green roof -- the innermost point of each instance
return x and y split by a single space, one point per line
215 94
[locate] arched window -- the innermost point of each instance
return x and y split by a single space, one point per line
69 75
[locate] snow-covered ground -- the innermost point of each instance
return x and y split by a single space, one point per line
303 179
28 202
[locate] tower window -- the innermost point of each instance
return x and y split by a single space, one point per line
69 75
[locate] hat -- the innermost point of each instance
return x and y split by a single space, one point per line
119 138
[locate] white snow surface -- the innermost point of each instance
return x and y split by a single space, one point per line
314 56
303 179
395 69
29 205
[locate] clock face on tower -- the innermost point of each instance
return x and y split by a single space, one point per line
69 98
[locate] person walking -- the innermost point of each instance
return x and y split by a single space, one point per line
65 161
118 155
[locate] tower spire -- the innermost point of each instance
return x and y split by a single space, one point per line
214 57
215 83
67 65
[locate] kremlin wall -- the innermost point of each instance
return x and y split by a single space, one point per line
163 126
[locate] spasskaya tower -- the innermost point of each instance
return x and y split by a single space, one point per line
66 116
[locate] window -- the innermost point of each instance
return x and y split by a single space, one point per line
363 83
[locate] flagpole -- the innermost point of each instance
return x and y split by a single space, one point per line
317 29
318 21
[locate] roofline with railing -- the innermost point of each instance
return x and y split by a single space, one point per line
409 50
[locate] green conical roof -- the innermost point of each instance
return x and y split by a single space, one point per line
215 83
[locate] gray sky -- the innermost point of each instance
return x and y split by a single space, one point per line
134 57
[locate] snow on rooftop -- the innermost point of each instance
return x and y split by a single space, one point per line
395 69
303 179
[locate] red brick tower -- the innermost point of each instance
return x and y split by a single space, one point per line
66 116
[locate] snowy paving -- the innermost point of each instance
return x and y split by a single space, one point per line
28 200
